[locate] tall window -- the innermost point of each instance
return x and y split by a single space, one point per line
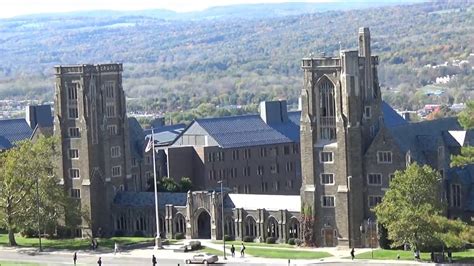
327 110
112 129
72 91
260 170
73 112
328 201
247 154
109 89
455 195
235 155
110 109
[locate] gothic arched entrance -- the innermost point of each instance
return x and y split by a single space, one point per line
204 225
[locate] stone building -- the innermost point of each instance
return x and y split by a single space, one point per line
253 154
350 148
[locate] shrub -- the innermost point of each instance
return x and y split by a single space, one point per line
270 240
248 239
119 233
179 236
138 234
195 245
228 238
29 233
291 241
298 242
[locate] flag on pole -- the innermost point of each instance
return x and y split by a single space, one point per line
150 144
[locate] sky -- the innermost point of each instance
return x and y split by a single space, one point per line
11 8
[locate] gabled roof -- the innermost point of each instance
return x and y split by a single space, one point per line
250 130
391 117
166 135
14 130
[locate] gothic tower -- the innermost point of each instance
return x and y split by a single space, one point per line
90 121
341 113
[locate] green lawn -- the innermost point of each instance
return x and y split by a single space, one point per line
73 243
250 244
209 250
17 263
383 254
285 254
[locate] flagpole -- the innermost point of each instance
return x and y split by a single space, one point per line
158 244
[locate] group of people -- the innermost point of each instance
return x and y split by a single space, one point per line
242 251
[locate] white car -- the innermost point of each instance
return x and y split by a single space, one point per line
202 258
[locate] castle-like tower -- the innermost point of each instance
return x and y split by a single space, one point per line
341 114
90 121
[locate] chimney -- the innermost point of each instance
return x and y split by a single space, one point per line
274 112
39 114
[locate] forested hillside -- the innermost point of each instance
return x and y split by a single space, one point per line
203 65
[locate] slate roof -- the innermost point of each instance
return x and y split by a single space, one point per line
147 199
390 117
166 135
14 130
250 130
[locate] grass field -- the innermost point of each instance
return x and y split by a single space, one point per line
382 254
285 254
209 250
250 244
17 263
73 243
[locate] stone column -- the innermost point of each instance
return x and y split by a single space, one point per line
283 227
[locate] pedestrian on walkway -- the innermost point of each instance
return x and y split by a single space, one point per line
116 248
99 262
74 258
242 250
153 260
352 254
232 250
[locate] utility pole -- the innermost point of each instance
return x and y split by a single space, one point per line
38 213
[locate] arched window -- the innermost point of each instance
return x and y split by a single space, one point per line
229 226
272 228
327 112
180 223
294 228
250 226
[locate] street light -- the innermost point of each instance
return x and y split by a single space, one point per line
223 225
38 213
370 232
158 244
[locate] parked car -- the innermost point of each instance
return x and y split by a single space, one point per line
202 258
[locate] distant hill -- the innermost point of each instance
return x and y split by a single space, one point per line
239 55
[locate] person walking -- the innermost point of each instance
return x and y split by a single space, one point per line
242 250
153 260
232 250
116 248
74 258
99 262
352 254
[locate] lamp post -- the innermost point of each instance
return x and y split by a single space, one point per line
369 224
223 225
158 244
38 213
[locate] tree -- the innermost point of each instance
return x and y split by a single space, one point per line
22 169
307 224
185 184
466 119
411 211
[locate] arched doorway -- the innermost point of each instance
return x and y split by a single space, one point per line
250 227
294 228
272 228
204 225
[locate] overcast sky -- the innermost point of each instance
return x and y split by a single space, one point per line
10 8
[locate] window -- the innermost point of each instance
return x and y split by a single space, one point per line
112 129
455 195
275 168
247 189
148 159
235 155
109 89
374 200
274 151
296 149
220 156
289 166
374 179
326 157
260 170
110 110
73 113
391 177
233 172
116 170
74 132
367 113
73 154
277 186
327 112
115 151
263 152
134 162
286 150
247 171
384 157
264 186
328 201
211 157
372 131
72 91
327 179
247 154
75 193
212 174
74 173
